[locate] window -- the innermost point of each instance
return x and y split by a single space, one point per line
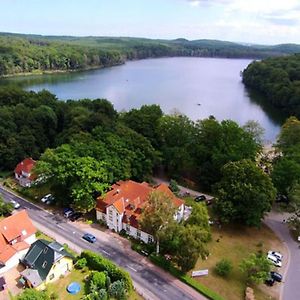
138 234
44 264
150 239
127 227
51 276
45 249
110 215
24 232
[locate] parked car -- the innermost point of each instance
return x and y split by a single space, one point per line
276 276
282 198
75 216
48 199
200 198
276 254
89 237
270 281
274 260
15 204
68 212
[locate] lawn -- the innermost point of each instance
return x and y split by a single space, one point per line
59 286
236 243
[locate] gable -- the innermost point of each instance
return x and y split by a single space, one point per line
42 256
17 225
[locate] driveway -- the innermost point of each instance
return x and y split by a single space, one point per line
149 280
291 289
12 277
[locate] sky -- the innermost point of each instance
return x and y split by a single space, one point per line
246 21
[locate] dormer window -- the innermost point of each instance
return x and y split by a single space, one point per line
45 250
24 232
44 264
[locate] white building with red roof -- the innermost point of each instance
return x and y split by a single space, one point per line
17 233
23 172
121 207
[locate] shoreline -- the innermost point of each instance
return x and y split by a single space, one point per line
57 71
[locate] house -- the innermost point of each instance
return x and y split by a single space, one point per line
23 172
122 206
45 262
17 233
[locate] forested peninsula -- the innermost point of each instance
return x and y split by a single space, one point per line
35 54
278 79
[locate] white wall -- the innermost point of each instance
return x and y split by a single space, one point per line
179 214
31 239
13 261
133 232
113 219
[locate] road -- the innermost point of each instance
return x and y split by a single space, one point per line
291 288
149 280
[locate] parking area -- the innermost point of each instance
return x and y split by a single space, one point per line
11 277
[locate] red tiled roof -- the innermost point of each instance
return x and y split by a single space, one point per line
17 225
129 197
25 165
6 253
20 246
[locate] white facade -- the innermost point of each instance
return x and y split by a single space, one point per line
113 220
180 213
14 260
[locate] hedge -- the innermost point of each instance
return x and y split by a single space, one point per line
167 265
99 263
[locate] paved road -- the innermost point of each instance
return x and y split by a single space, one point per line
152 282
183 189
291 289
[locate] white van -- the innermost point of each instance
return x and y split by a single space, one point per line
274 260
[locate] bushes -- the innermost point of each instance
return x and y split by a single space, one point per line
99 263
223 267
98 279
81 263
165 264
117 290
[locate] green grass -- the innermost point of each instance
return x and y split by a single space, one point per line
235 243
59 287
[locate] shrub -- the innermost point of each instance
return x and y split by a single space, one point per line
163 263
117 290
223 267
102 295
98 279
81 263
99 263
173 186
123 233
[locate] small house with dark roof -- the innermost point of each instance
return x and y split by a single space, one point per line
45 262
23 172
122 206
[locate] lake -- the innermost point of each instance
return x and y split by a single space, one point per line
197 87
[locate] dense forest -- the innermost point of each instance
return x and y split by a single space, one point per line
105 146
33 53
278 79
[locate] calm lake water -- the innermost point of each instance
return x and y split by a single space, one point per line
197 87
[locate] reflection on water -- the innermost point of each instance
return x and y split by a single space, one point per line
197 87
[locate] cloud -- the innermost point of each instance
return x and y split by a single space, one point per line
206 2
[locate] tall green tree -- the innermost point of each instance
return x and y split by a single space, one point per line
76 180
244 194
256 267
158 214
